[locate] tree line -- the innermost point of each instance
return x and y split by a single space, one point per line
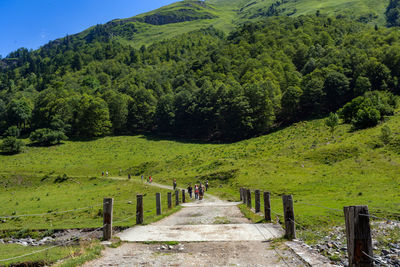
204 84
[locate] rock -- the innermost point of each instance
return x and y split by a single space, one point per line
24 243
170 247
385 252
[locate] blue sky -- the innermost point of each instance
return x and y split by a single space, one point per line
32 23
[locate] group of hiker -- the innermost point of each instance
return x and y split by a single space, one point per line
199 189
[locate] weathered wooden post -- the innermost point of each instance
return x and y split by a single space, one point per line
158 203
358 234
183 196
257 200
169 200
176 198
267 206
289 216
107 217
139 209
248 198
241 193
244 192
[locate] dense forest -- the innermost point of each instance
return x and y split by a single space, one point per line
204 84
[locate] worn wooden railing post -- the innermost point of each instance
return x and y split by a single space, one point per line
289 216
244 192
158 203
358 234
248 198
107 218
139 209
257 201
176 198
183 196
267 206
169 200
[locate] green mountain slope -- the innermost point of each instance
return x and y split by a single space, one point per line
185 16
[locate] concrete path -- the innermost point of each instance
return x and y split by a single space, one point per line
197 233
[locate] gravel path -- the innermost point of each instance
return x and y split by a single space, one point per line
208 220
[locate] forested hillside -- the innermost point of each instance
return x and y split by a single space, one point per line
205 84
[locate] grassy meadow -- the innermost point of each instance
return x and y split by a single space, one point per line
305 159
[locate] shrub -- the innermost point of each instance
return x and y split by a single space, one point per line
366 111
366 117
332 122
11 145
13 131
47 137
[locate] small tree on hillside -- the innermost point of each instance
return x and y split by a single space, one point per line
332 122
11 145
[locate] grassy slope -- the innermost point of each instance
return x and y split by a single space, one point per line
303 159
232 13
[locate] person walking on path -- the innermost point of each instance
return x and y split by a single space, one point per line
201 191
174 183
196 191
129 176
206 185
190 190
102 173
150 179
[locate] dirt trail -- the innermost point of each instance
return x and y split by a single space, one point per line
228 239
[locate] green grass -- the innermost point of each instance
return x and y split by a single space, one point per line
38 195
45 257
229 14
304 160
34 196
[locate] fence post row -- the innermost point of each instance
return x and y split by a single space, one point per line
183 196
169 200
176 198
289 216
107 218
248 198
358 235
267 206
257 201
139 209
158 203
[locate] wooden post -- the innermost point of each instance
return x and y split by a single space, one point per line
257 201
107 218
358 234
289 216
241 193
169 200
248 198
158 203
139 209
176 198
244 192
183 196
267 206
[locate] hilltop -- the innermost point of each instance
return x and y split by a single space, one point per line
185 16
